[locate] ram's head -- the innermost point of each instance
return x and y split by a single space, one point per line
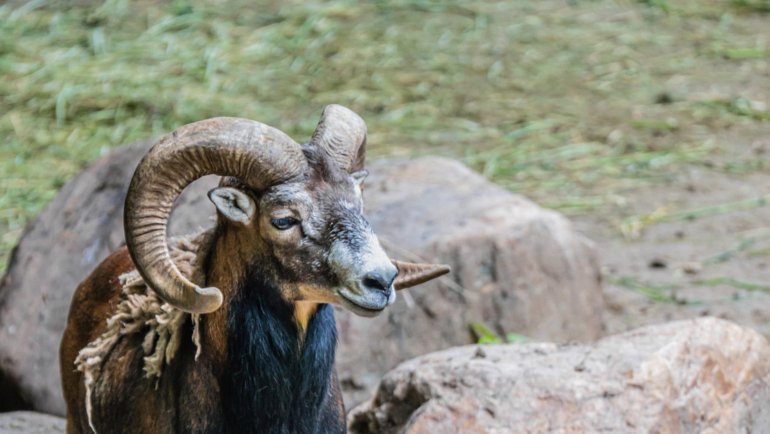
293 212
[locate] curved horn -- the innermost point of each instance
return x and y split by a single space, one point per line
342 134
258 154
412 274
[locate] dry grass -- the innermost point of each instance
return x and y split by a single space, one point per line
575 103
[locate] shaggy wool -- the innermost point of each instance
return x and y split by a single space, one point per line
140 310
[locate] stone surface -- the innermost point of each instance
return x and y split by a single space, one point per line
27 422
705 376
516 267
64 243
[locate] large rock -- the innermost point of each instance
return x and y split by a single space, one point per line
60 247
27 422
516 266
699 376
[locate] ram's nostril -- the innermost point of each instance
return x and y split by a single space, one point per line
375 280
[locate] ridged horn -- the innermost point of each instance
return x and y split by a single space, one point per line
341 133
258 154
412 274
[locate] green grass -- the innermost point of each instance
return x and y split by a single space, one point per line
753 5
633 226
664 293
573 103
735 283
485 335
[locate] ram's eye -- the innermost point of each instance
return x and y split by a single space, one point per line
284 223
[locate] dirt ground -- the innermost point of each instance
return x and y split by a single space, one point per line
707 249
715 265
695 242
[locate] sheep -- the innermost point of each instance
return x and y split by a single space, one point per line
231 330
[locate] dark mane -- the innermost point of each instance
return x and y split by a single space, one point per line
273 385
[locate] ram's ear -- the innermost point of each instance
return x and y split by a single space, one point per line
234 204
412 274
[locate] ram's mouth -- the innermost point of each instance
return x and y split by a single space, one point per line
364 305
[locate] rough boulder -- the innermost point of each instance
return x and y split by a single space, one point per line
699 376
27 422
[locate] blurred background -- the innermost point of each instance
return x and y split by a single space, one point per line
625 115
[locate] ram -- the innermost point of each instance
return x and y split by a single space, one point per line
231 330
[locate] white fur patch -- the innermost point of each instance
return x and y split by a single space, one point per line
351 265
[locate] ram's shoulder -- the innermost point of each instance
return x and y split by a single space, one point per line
95 297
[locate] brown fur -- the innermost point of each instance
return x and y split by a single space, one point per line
142 403
140 311
91 306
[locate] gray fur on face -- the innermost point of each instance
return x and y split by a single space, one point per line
355 247
333 245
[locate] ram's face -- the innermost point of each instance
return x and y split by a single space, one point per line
320 245
295 210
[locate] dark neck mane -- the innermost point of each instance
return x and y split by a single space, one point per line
272 385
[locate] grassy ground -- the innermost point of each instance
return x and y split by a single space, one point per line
577 104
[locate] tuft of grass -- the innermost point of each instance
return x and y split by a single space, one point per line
632 227
748 240
742 107
662 5
762 6
735 283
664 293
485 335
745 53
